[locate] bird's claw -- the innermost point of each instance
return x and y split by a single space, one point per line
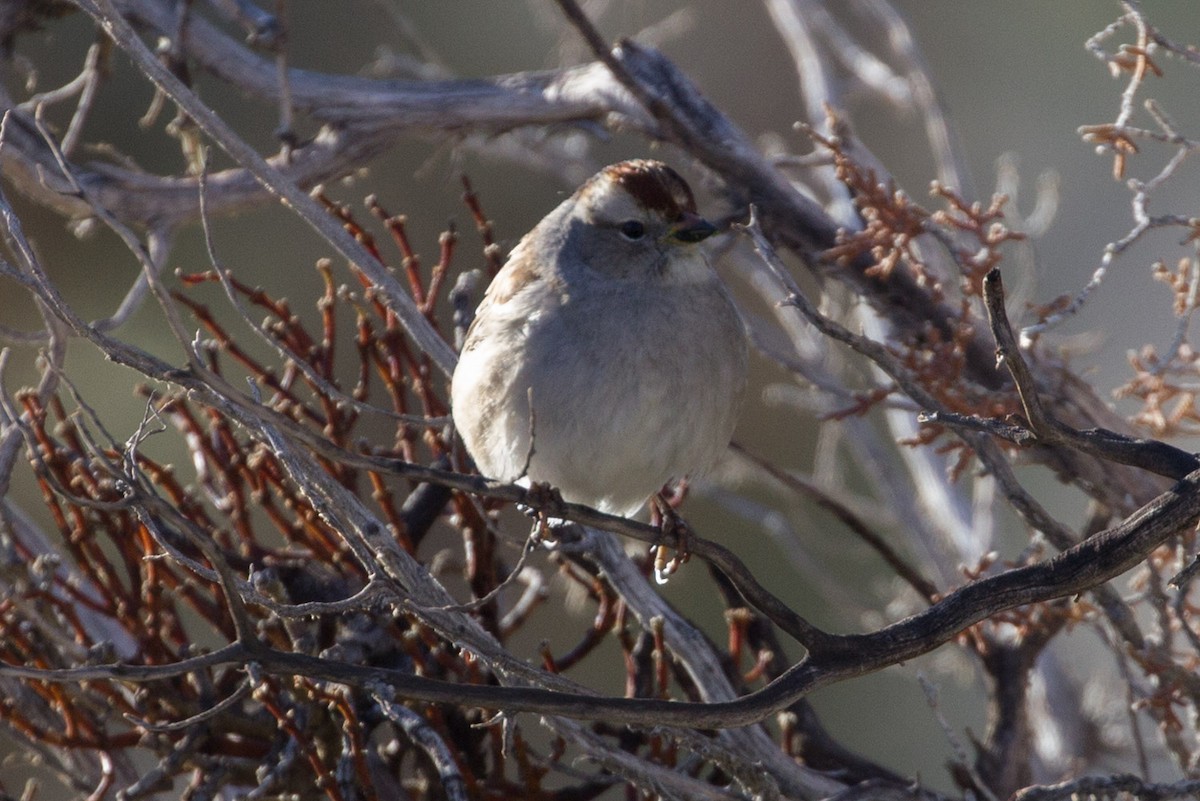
672 529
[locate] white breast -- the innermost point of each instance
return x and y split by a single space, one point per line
648 390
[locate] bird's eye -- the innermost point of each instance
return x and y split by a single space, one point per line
632 230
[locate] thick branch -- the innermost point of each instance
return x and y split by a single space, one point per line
308 209
1157 457
1087 565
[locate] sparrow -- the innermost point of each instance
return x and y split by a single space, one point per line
606 358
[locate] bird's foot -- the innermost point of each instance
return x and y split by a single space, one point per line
672 529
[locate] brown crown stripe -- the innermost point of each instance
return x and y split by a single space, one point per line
655 185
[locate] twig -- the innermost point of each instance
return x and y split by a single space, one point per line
211 712
1152 455
425 737
1110 786
850 519
262 28
960 750
796 298
1017 435
1180 579
324 386
951 168
152 256
795 20
1089 564
275 181
91 74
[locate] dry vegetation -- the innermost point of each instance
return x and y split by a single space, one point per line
267 618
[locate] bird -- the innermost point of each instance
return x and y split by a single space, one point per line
606 358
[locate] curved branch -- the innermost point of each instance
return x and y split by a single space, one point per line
397 298
1151 455
1087 565
361 118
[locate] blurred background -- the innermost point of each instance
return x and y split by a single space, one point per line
1014 78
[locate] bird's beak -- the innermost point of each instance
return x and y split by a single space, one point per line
691 227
